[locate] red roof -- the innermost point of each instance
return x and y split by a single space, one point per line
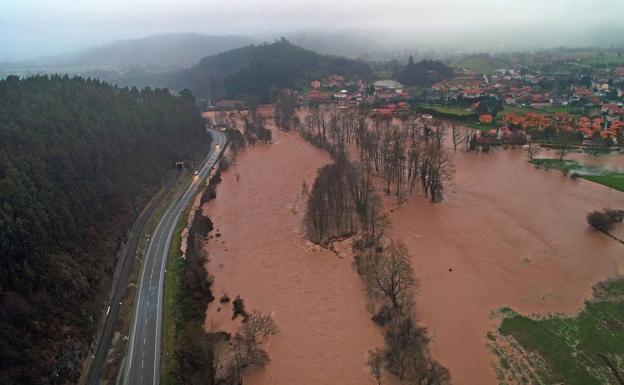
486 118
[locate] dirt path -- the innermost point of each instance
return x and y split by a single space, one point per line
315 297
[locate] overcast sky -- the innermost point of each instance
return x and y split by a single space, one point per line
31 28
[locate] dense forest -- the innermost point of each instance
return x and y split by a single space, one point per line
78 159
424 73
254 72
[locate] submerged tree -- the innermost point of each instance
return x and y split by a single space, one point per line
605 220
375 363
285 109
391 275
246 345
330 213
436 170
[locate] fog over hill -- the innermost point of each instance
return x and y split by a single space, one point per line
32 28
155 52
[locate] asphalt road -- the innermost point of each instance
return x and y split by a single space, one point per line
122 273
142 361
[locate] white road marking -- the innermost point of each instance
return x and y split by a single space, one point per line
169 220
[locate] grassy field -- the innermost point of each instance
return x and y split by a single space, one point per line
173 309
576 111
586 349
509 109
596 57
448 109
482 64
609 178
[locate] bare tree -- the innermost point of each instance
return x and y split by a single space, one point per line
246 344
436 170
563 142
532 150
285 108
375 363
330 213
391 275
374 222
438 133
460 135
406 346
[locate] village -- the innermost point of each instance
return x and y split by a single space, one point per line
514 105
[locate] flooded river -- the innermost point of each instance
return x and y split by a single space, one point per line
315 297
507 234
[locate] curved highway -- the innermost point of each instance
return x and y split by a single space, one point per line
142 361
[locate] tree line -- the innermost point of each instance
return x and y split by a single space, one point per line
405 155
343 203
259 72
78 160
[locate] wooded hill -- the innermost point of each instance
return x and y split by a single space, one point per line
424 73
78 160
261 70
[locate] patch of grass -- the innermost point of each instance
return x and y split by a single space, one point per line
614 180
520 110
575 111
448 109
482 126
482 64
556 164
173 305
610 178
582 350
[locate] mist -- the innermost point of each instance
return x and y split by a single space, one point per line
35 28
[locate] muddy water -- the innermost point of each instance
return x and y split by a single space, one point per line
513 236
612 160
315 297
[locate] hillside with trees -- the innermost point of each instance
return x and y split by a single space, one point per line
78 160
261 70
424 73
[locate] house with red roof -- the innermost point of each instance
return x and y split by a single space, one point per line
486 118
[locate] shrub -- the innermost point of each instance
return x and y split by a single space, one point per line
383 316
238 308
604 220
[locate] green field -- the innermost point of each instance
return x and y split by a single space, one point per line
448 109
596 57
173 310
509 109
482 64
586 349
576 111
609 178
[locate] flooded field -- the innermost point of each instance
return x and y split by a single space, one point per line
613 160
507 234
315 297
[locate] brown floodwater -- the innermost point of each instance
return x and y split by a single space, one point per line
513 235
613 160
315 297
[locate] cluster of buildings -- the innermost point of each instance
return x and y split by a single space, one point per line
337 89
595 101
